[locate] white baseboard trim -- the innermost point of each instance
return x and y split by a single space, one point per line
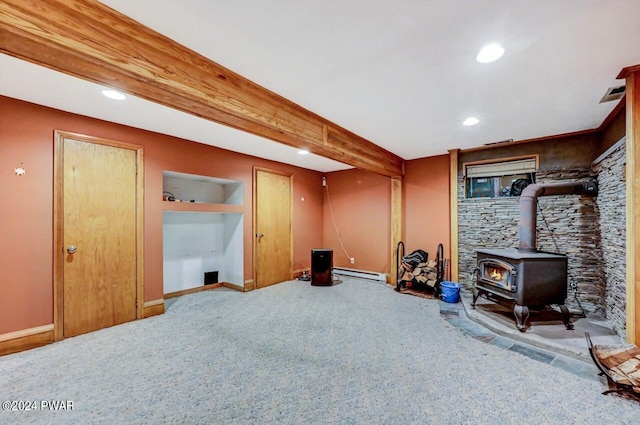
362 274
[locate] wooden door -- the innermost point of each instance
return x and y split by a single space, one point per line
99 237
273 227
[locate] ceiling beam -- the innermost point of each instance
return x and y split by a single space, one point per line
625 72
88 40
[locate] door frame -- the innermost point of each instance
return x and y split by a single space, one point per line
255 220
58 223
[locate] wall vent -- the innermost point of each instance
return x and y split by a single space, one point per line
613 93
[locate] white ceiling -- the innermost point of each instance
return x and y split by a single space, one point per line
401 73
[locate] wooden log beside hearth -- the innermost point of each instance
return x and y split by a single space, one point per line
421 278
423 274
407 276
619 364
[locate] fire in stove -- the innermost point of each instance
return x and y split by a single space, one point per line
495 274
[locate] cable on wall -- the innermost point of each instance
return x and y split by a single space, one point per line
573 285
333 219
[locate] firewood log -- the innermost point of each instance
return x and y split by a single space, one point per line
421 278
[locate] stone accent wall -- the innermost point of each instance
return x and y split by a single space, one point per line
483 223
567 224
611 204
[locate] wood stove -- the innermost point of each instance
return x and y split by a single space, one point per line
526 277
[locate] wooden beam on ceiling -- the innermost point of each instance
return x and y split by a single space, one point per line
88 40
625 72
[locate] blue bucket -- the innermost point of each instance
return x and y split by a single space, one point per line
450 292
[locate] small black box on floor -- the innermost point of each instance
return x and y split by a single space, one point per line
321 267
210 278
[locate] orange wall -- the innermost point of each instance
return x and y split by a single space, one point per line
426 205
360 200
362 209
27 130
307 217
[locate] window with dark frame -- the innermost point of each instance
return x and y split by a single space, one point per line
499 179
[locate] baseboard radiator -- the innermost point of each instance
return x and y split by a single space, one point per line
362 274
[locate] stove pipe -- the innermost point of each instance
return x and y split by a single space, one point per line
529 203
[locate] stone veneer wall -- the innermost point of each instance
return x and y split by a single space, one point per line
567 224
611 203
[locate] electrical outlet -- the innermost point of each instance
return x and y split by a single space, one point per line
324 181
353 260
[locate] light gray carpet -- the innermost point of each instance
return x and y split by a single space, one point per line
354 353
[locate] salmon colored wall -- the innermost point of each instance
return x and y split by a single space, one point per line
426 205
26 285
26 241
308 217
362 208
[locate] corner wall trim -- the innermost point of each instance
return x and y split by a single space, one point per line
397 225
240 288
152 308
453 207
632 75
26 339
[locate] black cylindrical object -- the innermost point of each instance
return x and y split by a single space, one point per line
321 266
529 203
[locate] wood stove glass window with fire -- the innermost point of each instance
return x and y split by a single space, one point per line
498 273
499 179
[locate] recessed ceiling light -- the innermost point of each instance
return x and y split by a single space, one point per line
470 121
115 95
490 53
303 152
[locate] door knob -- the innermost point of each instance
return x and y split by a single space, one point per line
71 249
259 235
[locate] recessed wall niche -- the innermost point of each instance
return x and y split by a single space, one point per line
201 189
199 242
207 237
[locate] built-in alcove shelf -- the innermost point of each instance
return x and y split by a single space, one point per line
194 207
198 242
193 190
